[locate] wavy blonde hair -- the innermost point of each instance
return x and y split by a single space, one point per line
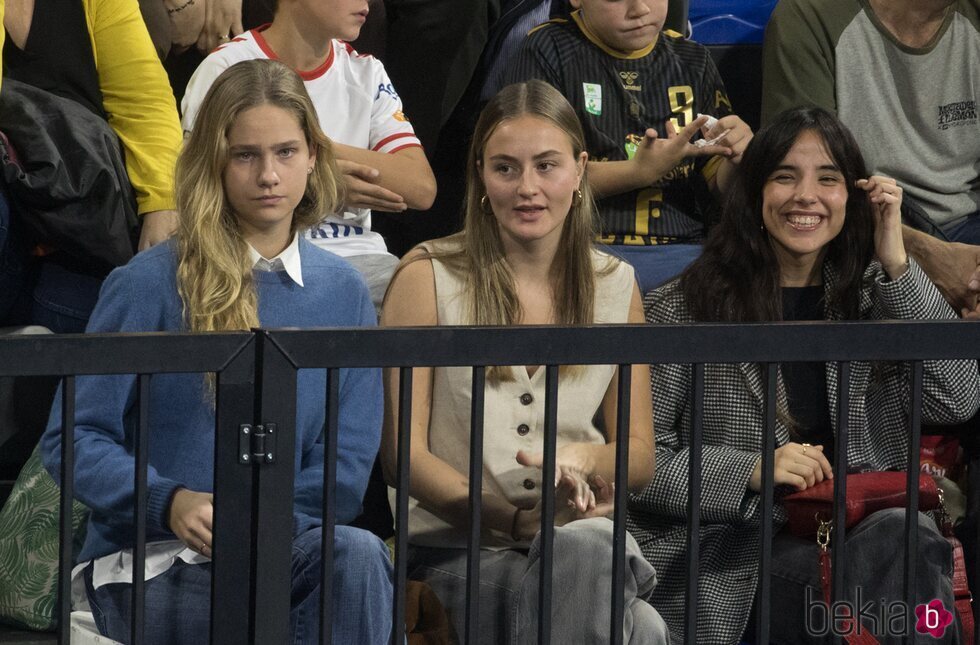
214 274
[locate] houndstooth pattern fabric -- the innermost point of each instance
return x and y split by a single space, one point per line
733 419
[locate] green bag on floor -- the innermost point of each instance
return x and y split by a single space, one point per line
29 548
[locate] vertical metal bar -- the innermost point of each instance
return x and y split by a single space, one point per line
401 501
332 427
231 567
766 533
694 506
912 487
142 457
476 506
548 503
840 484
619 515
67 498
273 506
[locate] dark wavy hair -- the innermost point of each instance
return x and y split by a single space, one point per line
736 278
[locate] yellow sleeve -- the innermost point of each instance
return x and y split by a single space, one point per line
137 97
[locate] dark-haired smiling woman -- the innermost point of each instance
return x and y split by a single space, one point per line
806 235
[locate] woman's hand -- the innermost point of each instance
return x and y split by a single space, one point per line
796 464
574 467
602 497
886 204
190 517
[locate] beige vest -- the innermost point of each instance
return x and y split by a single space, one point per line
513 421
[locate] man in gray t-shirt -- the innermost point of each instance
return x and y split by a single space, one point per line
902 75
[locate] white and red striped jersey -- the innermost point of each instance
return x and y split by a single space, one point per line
357 106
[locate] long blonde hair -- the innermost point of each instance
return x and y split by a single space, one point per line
478 253
480 256
214 274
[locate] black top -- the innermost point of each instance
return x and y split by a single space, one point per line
806 383
617 97
58 54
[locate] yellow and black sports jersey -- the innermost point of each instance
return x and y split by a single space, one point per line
617 97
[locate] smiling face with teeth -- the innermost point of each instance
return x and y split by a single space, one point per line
803 208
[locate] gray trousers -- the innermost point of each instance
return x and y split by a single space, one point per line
377 269
875 567
581 588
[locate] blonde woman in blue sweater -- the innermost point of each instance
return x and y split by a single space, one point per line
255 171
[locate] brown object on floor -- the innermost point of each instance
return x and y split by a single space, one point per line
426 622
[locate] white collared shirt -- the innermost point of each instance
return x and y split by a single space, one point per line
287 261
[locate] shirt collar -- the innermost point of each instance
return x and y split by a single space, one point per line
287 261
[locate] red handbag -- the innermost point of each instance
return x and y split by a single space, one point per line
866 493
810 514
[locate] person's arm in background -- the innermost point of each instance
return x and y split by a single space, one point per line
393 173
952 266
714 101
798 60
222 20
142 111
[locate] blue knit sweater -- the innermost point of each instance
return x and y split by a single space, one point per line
141 297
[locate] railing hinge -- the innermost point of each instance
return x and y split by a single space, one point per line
257 444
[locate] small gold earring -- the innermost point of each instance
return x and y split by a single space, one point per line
577 197
485 205
309 171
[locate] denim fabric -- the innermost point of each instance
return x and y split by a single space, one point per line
875 564
655 265
967 230
12 266
581 585
178 602
63 298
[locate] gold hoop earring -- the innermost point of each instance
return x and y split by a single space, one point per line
485 205
577 197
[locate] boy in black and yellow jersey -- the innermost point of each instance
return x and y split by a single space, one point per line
638 91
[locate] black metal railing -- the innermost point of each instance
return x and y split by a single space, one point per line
248 500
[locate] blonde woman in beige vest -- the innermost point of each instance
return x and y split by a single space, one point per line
525 257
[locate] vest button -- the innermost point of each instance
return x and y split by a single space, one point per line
523 429
526 398
529 484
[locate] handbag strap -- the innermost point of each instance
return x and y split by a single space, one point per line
962 598
855 632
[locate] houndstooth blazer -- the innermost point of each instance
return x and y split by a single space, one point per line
733 421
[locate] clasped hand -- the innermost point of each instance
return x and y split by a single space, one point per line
796 464
655 156
191 516
579 492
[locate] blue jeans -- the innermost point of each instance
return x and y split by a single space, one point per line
655 265
178 602
12 266
40 291
875 556
966 231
